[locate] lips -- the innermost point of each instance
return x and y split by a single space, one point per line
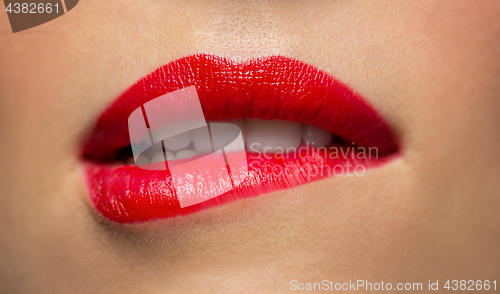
270 88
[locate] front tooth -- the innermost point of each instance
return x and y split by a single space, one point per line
237 147
272 134
315 136
178 142
201 141
170 155
241 124
225 135
185 153
158 157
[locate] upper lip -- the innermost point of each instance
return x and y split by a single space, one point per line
267 88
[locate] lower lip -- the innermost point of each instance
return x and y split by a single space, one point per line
134 195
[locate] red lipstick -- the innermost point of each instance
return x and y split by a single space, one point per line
270 88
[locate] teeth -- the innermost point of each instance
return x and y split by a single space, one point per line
170 155
224 135
178 142
201 141
315 136
203 145
242 125
273 136
186 153
158 157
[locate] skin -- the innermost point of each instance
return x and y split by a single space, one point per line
432 69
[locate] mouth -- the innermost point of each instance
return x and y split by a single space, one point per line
299 124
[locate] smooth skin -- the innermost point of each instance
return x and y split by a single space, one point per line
432 68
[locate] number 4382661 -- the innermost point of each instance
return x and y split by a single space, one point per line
32 8
470 285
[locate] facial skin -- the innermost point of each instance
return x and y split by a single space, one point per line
431 68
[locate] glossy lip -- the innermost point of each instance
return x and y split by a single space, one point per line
267 88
